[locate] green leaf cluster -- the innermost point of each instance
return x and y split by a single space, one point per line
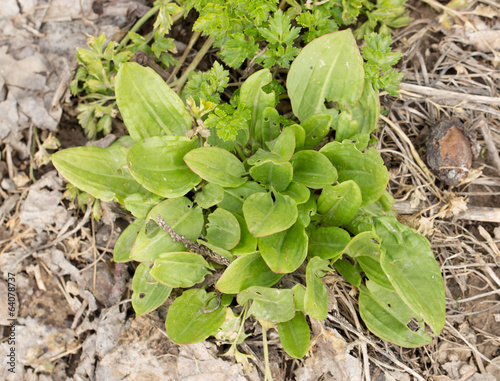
256 200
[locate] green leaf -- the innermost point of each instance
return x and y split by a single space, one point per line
275 176
328 242
235 197
339 204
139 204
256 100
157 164
189 322
365 169
300 136
300 193
372 269
181 216
246 271
307 210
316 296
367 110
211 194
223 229
101 172
412 269
295 335
387 316
123 246
269 304
299 293
313 169
348 271
364 244
329 68
285 251
265 216
248 243
180 269
216 165
281 149
149 107
147 293
316 127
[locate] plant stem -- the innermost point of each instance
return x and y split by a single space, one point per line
137 25
268 376
191 43
204 49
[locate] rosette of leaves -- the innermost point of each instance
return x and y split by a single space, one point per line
263 203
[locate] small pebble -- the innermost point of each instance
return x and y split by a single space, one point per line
8 185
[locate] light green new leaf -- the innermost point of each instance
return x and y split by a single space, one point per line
157 164
300 136
365 169
364 244
210 195
295 335
180 269
235 197
181 216
101 172
329 68
147 293
313 169
275 176
223 229
265 216
269 304
281 149
339 203
316 297
216 165
299 293
246 271
348 271
256 100
387 316
300 193
412 269
189 322
149 107
124 244
316 127
285 251
328 242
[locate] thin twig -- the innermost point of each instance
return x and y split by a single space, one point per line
191 43
449 95
193 246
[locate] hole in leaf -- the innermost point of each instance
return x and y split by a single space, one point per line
242 197
314 137
142 295
330 104
188 206
310 67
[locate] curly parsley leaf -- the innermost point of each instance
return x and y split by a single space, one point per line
208 85
228 120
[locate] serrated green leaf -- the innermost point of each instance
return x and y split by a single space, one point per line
180 269
123 246
387 316
316 296
149 107
147 293
285 251
187 320
216 165
366 169
339 204
295 335
313 169
223 229
269 304
328 242
101 172
265 216
157 164
413 271
245 271
330 68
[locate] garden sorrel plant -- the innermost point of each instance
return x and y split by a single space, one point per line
243 193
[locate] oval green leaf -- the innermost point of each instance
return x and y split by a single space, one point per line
147 293
265 216
328 242
223 229
235 197
210 195
316 296
189 322
216 165
270 304
295 336
339 204
124 244
313 169
180 269
149 107
316 127
275 176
